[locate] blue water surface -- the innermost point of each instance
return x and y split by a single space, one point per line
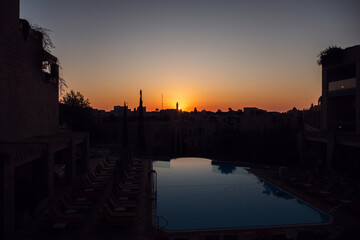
193 193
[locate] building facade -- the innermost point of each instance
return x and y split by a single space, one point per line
31 144
341 93
332 128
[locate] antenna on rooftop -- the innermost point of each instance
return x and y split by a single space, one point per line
162 101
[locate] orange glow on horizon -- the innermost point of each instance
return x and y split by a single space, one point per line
278 106
198 86
203 92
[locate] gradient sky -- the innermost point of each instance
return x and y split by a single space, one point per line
204 54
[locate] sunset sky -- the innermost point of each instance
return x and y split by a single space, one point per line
205 54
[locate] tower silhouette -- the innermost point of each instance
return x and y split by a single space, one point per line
141 133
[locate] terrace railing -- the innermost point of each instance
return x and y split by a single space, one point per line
317 136
22 152
351 139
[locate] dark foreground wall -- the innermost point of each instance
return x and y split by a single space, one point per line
28 99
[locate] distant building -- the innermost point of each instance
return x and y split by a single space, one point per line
312 117
252 119
255 120
118 111
171 132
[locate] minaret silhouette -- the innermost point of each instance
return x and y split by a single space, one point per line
177 106
141 133
140 102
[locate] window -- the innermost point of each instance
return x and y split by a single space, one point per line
342 84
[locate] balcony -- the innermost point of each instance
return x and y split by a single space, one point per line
50 68
343 126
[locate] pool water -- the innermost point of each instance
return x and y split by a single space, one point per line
193 193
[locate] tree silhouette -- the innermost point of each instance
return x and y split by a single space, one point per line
75 111
47 43
227 168
75 100
332 54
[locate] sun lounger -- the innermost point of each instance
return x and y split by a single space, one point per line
95 179
323 186
99 172
85 193
124 196
89 182
86 184
118 213
125 193
122 207
99 176
116 204
118 218
56 217
128 175
336 191
75 208
128 186
129 182
346 195
76 200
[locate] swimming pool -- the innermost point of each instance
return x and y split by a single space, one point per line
193 193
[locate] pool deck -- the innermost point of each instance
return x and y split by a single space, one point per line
340 217
93 228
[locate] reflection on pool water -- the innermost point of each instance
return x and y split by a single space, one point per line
194 194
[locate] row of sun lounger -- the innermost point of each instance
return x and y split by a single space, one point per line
120 206
75 205
277 234
333 188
